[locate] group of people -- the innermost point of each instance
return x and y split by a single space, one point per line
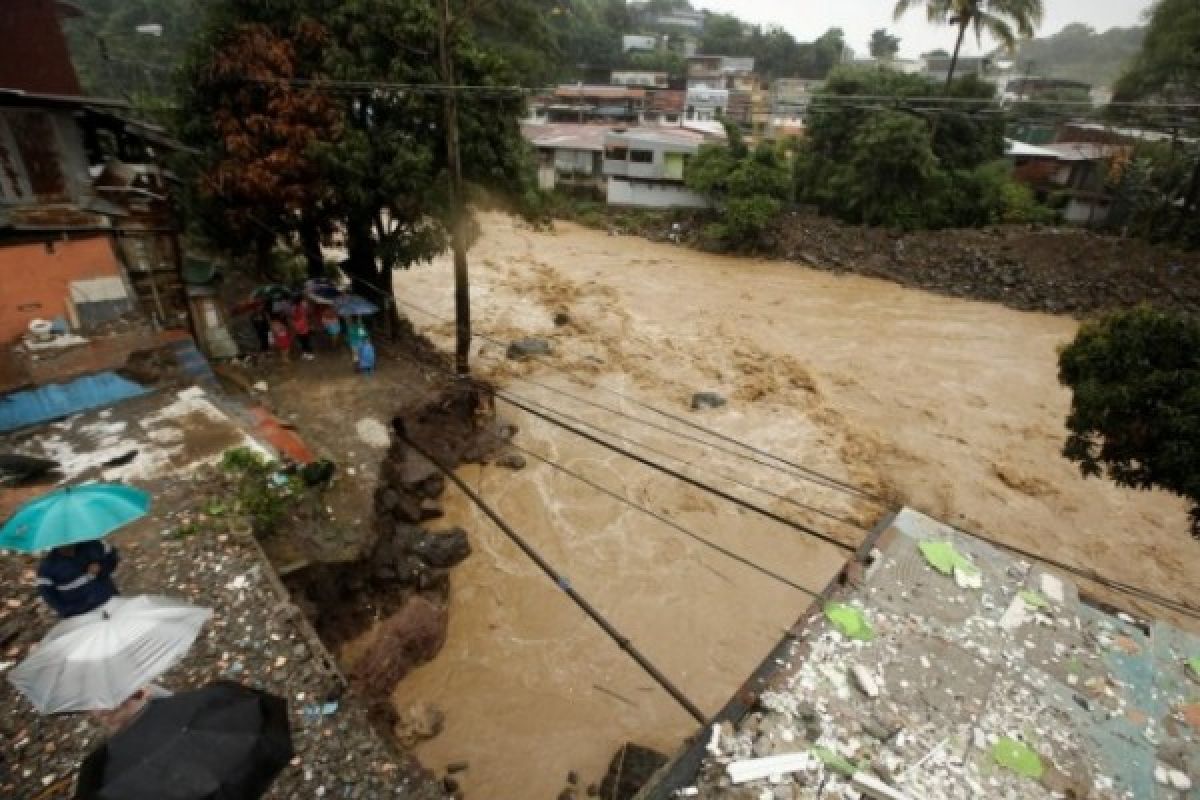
285 323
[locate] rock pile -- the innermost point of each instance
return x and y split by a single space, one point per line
1030 268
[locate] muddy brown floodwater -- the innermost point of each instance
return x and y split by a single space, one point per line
952 406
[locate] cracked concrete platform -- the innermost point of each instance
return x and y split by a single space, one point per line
1108 703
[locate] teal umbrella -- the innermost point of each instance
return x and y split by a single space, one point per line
71 515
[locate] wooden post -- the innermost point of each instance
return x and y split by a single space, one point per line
458 239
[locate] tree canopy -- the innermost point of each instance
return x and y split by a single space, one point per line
301 136
1135 407
1168 65
1078 52
1005 20
884 45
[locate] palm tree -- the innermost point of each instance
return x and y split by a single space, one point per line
997 17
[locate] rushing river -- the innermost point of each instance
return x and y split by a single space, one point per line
950 405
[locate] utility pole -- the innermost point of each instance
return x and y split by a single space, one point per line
458 209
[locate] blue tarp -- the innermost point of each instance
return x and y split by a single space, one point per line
57 400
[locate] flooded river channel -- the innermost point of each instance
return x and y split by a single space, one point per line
950 405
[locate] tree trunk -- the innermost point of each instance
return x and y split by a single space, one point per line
458 237
1190 202
962 32
264 241
310 244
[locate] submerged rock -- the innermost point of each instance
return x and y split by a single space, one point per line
703 400
528 348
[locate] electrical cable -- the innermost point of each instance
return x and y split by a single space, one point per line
563 583
736 481
817 476
666 521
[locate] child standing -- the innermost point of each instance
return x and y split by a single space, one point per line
332 325
281 337
300 326
366 357
356 334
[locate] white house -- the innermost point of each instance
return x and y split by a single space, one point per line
705 104
646 167
646 79
637 43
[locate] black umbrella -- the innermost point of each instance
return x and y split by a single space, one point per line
223 742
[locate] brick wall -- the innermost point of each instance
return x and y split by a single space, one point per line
35 278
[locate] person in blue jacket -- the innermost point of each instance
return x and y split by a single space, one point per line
77 578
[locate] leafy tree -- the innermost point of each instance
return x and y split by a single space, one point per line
997 17
748 188
1080 53
389 170
884 45
1135 408
1168 68
910 165
257 178
724 35
886 179
1168 65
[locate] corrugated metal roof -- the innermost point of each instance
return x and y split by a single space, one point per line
1084 151
605 92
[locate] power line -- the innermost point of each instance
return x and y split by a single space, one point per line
736 481
699 484
666 521
1184 609
563 583
816 476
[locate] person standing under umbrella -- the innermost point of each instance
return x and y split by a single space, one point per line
75 579
300 320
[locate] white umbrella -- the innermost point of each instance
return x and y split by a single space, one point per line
95 661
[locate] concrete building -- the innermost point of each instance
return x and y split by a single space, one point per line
1076 171
721 72
705 104
641 78
583 103
638 43
647 167
87 232
569 156
681 19
938 67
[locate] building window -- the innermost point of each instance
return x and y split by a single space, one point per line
641 156
616 153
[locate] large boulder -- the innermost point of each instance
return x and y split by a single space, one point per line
444 549
529 347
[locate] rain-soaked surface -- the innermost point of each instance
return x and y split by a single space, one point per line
949 405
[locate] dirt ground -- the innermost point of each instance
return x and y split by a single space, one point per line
949 405
345 417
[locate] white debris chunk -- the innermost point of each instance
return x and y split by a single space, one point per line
1015 615
714 742
755 769
1179 780
1052 587
865 680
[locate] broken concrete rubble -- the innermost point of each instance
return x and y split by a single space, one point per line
1010 687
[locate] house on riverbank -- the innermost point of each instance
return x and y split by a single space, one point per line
647 168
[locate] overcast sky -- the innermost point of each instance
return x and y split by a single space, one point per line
808 19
